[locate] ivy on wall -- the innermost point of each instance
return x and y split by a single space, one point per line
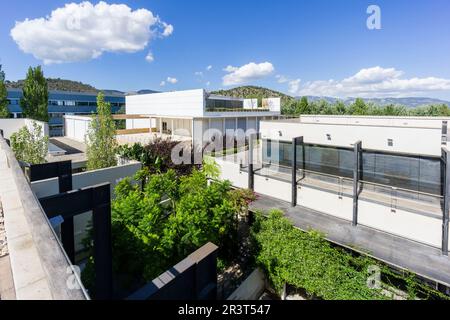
307 261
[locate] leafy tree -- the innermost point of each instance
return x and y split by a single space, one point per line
101 141
156 156
34 102
2 74
159 224
4 112
359 107
30 145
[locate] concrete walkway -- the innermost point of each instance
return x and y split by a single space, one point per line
399 252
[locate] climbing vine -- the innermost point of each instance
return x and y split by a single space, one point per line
307 261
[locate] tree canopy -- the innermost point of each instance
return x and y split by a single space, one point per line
100 140
34 101
4 112
361 108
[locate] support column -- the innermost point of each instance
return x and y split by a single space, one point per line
295 142
356 174
446 193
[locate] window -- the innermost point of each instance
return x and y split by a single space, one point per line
164 126
390 143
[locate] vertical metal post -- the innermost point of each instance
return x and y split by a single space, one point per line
444 133
67 227
251 173
356 170
446 194
295 141
101 216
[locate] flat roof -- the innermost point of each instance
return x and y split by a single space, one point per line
368 121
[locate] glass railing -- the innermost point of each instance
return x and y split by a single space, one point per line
236 110
393 197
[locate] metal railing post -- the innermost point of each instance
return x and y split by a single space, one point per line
295 142
356 171
446 194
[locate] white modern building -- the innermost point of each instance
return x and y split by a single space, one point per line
379 184
196 114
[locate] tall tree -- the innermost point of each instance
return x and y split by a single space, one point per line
303 106
101 141
4 112
359 107
35 95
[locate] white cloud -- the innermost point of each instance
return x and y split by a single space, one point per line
199 74
149 57
374 82
208 83
246 73
208 68
162 84
281 78
172 80
83 31
168 29
294 85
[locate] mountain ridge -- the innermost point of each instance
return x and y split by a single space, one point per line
240 92
261 92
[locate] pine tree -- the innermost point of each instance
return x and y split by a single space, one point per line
4 112
101 141
35 95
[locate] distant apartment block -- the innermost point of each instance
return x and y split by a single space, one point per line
62 103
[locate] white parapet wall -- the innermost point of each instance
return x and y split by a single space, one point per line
76 127
10 126
403 135
421 227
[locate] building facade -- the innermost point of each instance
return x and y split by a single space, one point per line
197 114
385 173
65 103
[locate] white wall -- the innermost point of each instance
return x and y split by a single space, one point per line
76 127
250 103
418 227
413 140
10 126
113 175
189 103
422 228
326 202
273 104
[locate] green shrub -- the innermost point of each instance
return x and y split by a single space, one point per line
30 145
158 225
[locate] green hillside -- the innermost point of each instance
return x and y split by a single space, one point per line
255 92
57 84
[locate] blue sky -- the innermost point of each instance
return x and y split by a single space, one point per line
320 47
